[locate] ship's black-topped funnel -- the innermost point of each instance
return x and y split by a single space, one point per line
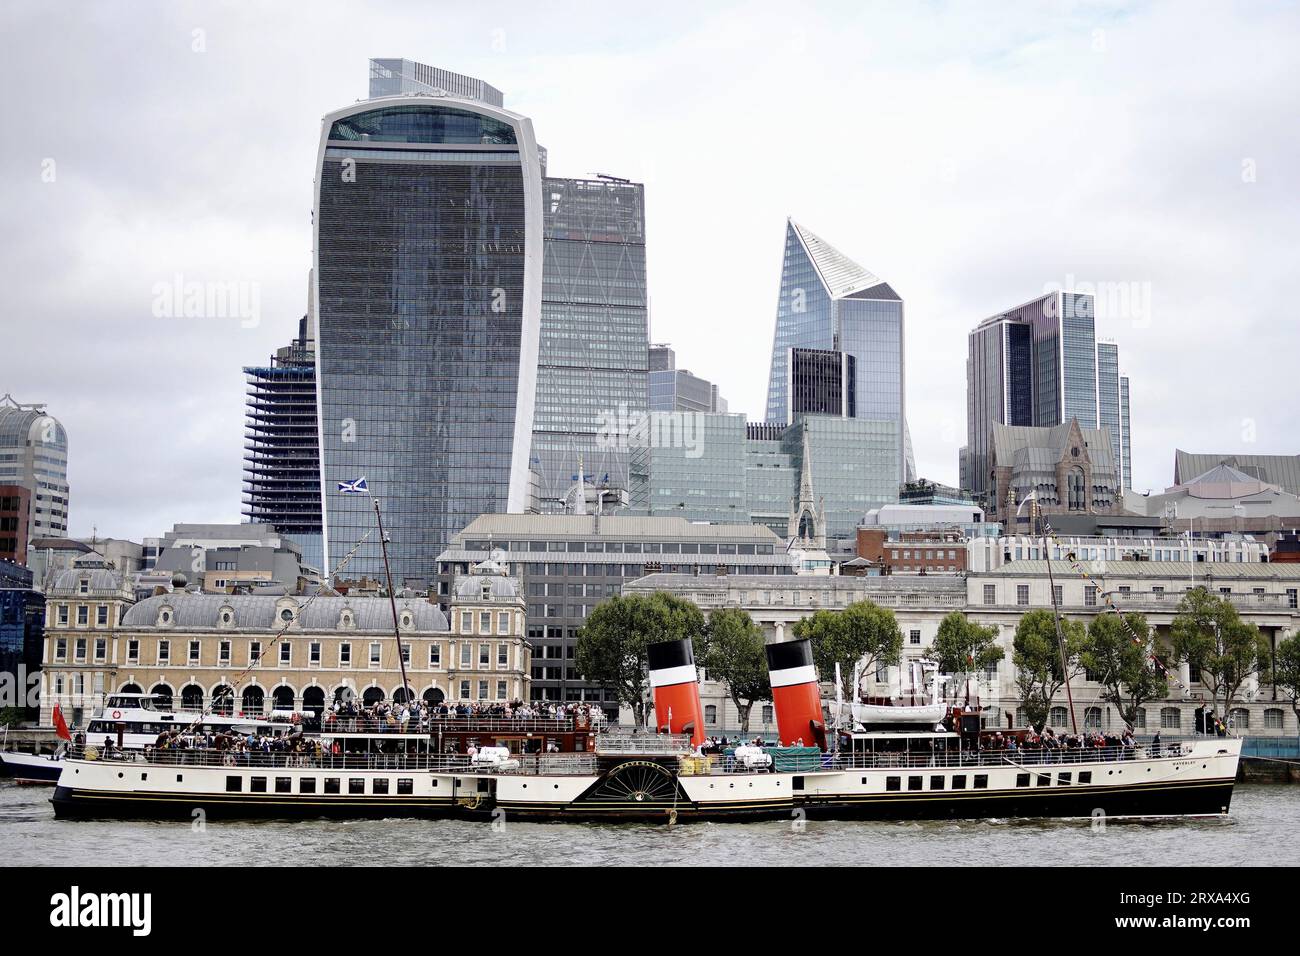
666 654
676 686
795 695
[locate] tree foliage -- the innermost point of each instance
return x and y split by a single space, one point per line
612 645
862 632
1036 653
734 655
1208 633
1123 666
1287 677
962 646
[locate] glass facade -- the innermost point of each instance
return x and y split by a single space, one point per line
1037 365
426 351
591 366
1126 481
751 473
1109 402
829 302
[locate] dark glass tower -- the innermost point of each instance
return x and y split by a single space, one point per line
281 446
428 289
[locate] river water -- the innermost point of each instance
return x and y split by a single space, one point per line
1263 829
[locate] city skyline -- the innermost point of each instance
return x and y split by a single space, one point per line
1175 224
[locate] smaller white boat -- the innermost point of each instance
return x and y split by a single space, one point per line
32 768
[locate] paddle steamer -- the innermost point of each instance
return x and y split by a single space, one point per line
566 770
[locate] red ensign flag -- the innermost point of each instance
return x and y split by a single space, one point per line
61 725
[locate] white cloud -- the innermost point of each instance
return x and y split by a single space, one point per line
969 153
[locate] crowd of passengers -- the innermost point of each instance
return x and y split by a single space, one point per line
399 717
1051 747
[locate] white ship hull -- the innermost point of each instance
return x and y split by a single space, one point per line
1198 780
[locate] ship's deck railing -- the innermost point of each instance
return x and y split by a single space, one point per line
459 725
559 764
650 745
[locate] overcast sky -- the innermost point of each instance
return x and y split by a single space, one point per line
971 154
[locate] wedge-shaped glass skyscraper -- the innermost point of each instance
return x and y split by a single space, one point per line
428 240
829 302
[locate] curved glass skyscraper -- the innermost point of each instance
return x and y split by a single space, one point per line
428 254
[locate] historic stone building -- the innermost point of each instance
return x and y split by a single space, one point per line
1265 594
285 652
1069 469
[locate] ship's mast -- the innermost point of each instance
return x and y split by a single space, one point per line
392 600
1036 511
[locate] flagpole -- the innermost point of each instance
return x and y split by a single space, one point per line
392 600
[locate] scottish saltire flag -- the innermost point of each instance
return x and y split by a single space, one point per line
357 486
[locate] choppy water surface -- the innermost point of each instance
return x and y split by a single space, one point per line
1263 829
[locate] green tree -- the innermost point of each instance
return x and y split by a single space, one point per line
961 646
611 646
862 632
10 716
1287 677
1036 652
1208 633
1123 666
734 655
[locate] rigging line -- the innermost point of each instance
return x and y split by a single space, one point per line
233 685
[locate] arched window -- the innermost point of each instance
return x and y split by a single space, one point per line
1273 718
399 695
344 692
1171 718
1140 719
164 694
1076 489
135 689
1092 718
1240 718
282 698
313 699
253 701
1058 717
192 697
372 695
434 696
223 700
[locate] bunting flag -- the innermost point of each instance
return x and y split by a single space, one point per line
232 687
1140 641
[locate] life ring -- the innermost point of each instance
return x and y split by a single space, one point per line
117 715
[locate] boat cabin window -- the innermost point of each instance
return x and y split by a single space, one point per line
959 782
914 783
936 783
981 781
1022 780
331 784
405 786
356 784
257 785
234 784
284 785
1064 778
379 785
1044 780
1085 776
893 783
306 784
